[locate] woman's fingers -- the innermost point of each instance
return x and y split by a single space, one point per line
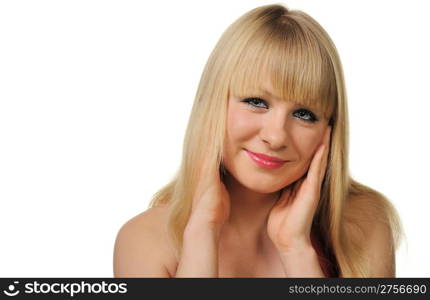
326 142
319 161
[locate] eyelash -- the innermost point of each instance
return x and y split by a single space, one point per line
311 119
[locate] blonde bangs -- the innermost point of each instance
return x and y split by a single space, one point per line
291 59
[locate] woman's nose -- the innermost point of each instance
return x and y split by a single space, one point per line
274 131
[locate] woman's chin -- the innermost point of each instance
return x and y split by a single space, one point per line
260 184
261 188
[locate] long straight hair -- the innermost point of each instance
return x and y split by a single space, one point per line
298 56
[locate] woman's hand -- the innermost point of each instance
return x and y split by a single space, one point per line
211 202
290 220
210 210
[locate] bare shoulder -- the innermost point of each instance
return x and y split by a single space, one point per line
366 223
142 247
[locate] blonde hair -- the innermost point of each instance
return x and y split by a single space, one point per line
295 52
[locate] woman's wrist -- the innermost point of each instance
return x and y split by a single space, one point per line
199 250
199 228
301 262
297 245
298 250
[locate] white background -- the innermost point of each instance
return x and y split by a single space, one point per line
95 97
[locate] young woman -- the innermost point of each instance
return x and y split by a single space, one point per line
264 189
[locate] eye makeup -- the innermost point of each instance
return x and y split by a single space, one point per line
302 113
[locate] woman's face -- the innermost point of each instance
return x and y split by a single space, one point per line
273 127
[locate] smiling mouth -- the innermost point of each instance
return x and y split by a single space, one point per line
263 162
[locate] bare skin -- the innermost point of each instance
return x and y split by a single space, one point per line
235 212
250 224
272 126
145 235
245 232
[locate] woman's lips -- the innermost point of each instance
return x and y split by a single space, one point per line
265 161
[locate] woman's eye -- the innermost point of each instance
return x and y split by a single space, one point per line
302 114
306 115
255 102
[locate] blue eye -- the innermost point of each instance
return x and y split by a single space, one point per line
255 102
303 114
306 115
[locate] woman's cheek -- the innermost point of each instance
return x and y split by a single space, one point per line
306 142
241 124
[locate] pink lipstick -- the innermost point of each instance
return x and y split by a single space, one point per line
265 161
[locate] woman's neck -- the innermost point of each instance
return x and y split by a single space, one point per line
249 211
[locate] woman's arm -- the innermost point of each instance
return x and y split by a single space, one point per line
210 210
199 256
301 262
